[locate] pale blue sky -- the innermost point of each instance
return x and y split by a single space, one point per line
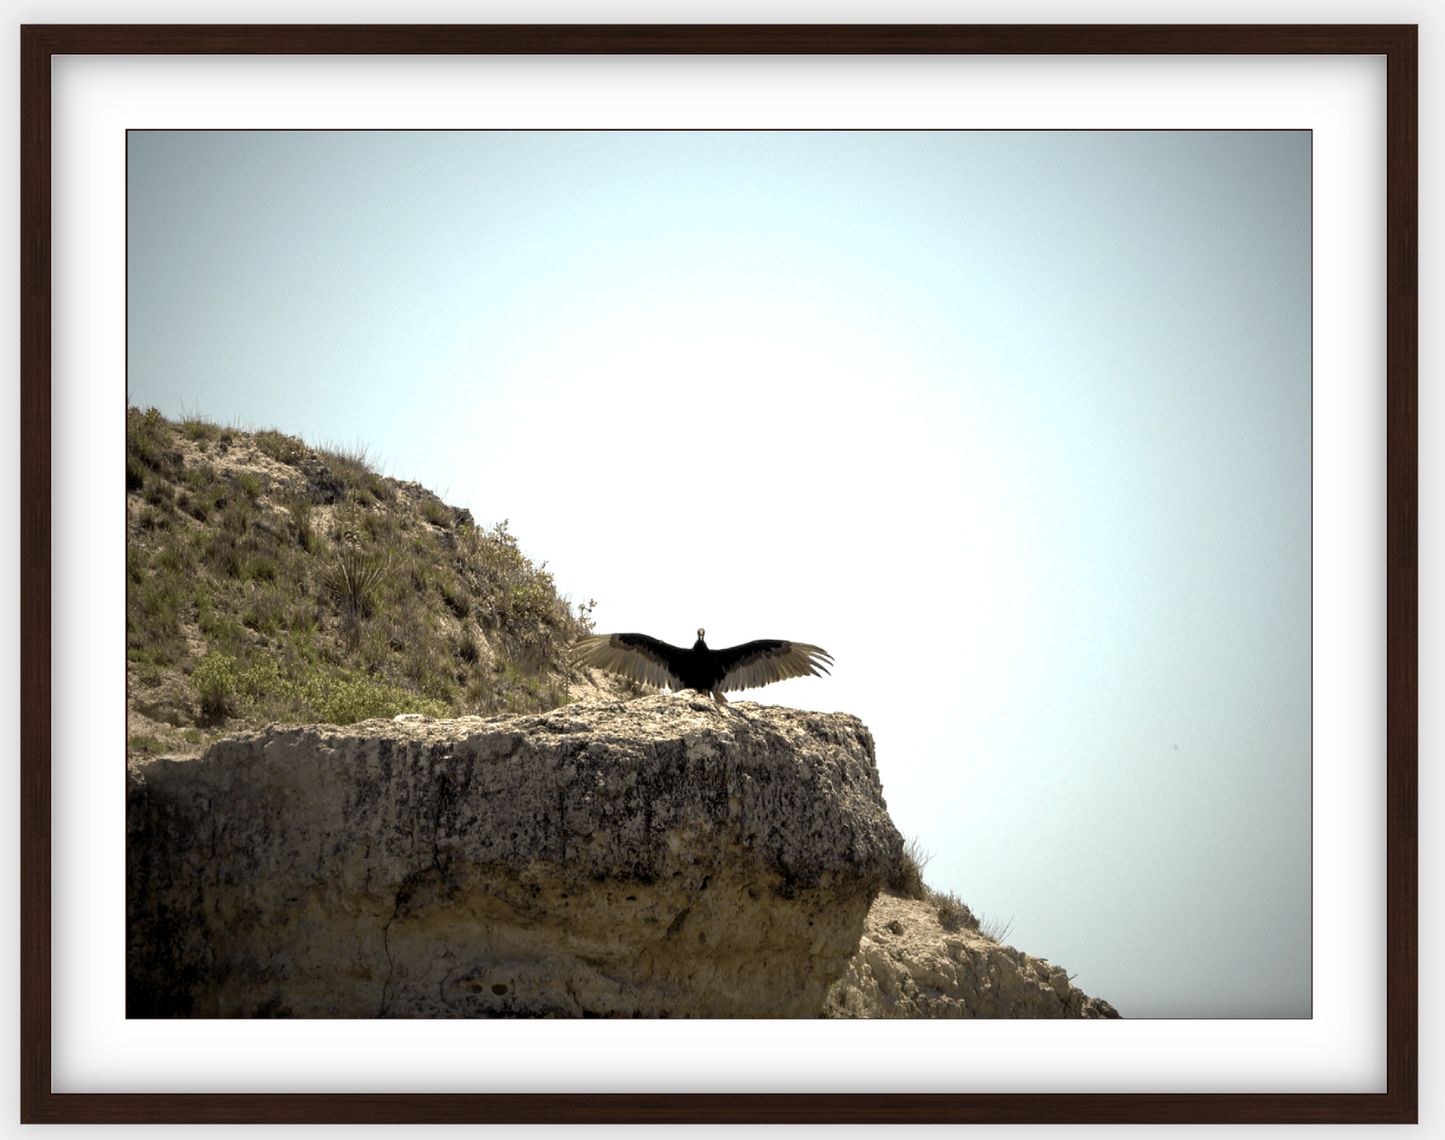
1015 425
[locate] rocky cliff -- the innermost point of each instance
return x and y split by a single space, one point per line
659 857
912 962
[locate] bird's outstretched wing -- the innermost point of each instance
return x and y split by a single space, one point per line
632 655
748 666
757 663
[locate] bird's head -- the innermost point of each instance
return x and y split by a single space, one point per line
700 632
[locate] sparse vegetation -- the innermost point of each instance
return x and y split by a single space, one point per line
352 465
997 932
323 592
331 696
282 448
906 878
953 913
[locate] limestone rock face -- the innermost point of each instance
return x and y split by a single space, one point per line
659 857
909 964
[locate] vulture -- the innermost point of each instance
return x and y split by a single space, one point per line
748 666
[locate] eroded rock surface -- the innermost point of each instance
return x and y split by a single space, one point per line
909 964
660 857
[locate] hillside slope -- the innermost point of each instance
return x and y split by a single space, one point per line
268 580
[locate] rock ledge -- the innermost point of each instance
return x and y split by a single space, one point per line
658 857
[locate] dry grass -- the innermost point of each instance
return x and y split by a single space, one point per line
322 591
906 878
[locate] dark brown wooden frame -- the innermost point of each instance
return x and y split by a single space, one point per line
1397 43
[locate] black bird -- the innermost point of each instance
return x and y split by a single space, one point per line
748 666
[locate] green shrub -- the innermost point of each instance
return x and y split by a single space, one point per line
174 558
151 519
307 538
436 513
346 701
265 611
339 697
210 498
280 447
159 493
217 679
235 518
150 443
252 486
350 463
260 568
156 602
379 528
200 478
456 595
221 630
135 474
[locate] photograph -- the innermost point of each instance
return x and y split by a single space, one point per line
865 564
1016 424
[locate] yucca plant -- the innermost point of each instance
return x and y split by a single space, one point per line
350 579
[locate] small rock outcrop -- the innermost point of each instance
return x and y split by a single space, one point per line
911 964
658 857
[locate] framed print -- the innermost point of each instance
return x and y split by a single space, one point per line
1347 92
